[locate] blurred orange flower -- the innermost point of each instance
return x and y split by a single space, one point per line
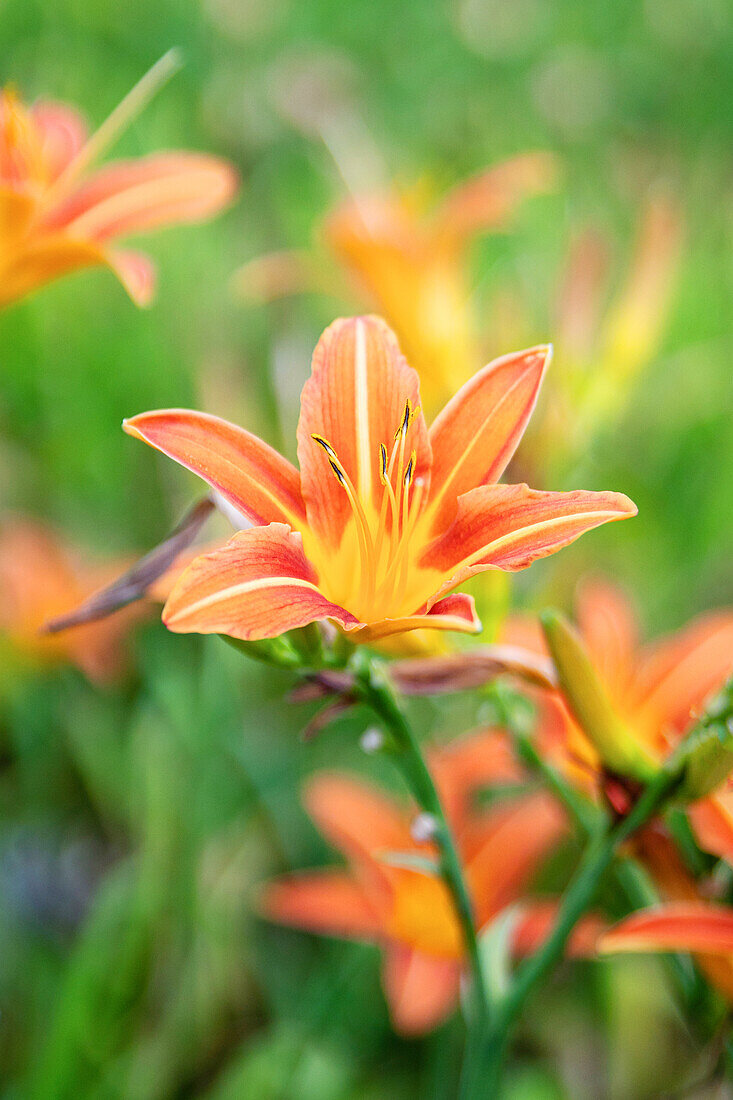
688 919
56 217
411 263
41 577
655 689
386 896
385 519
601 348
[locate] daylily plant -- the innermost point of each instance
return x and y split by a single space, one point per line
655 690
385 519
386 895
57 217
411 262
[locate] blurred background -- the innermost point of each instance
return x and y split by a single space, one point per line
139 814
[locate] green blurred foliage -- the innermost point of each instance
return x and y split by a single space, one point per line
136 822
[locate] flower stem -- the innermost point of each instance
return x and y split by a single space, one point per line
598 855
374 689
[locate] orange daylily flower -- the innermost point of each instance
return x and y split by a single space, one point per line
655 689
56 217
411 263
385 518
601 348
685 920
41 577
381 897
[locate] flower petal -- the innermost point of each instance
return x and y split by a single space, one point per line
248 473
48 258
357 819
257 586
421 990
712 823
16 211
676 926
454 612
466 765
137 195
510 526
677 674
136 272
476 434
488 199
322 901
503 849
63 132
355 399
608 625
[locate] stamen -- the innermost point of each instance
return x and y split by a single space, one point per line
405 422
408 472
363 533
325 444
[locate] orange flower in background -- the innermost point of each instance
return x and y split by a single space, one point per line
412 264
688 919
655 689
385 896
601 348
41 577
385 518
56 217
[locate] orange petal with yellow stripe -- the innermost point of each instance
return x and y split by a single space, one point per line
510 526
478 431
355 399
677 926
249 473
257 586
455 612
137 195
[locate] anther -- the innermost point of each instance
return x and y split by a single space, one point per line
325 444
408 472
338 472
405 422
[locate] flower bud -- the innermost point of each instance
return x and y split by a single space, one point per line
587 698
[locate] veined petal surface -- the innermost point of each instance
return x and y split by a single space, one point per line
249 473
257 586
476 434
510 526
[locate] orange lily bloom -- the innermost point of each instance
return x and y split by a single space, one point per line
411 263
655 689
382 897
686 920
601 350
55 217
385 518
41 577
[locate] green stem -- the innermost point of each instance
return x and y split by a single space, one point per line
374 689
596 859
